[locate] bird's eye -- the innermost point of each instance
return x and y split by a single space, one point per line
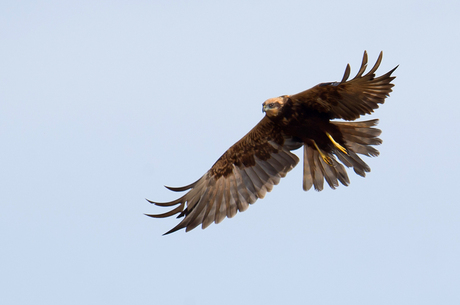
271 105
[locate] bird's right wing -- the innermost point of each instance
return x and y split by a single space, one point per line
245 172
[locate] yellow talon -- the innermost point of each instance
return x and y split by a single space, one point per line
325 158
343 149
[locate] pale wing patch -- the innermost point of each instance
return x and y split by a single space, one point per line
211 200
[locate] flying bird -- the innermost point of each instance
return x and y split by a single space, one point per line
253 165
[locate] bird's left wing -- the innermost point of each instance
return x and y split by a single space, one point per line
244 173
349 100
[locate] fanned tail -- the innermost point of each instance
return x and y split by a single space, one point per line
359 138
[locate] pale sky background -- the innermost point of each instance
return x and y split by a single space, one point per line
104 102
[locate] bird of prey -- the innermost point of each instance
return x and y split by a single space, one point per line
253 165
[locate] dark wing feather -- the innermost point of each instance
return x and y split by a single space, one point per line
349 100
244 173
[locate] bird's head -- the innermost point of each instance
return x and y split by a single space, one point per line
272 106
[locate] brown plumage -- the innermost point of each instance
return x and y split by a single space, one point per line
252 166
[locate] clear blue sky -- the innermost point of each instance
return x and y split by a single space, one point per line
104 102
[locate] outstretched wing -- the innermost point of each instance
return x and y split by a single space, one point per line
244 173
349 99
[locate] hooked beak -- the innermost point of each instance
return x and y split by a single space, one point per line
265 107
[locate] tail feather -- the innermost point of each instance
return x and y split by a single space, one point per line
316 170
358 139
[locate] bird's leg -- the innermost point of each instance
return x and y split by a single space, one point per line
323 155
343 149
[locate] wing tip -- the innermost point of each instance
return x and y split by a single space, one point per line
346 74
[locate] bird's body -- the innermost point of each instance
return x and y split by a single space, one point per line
250 168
